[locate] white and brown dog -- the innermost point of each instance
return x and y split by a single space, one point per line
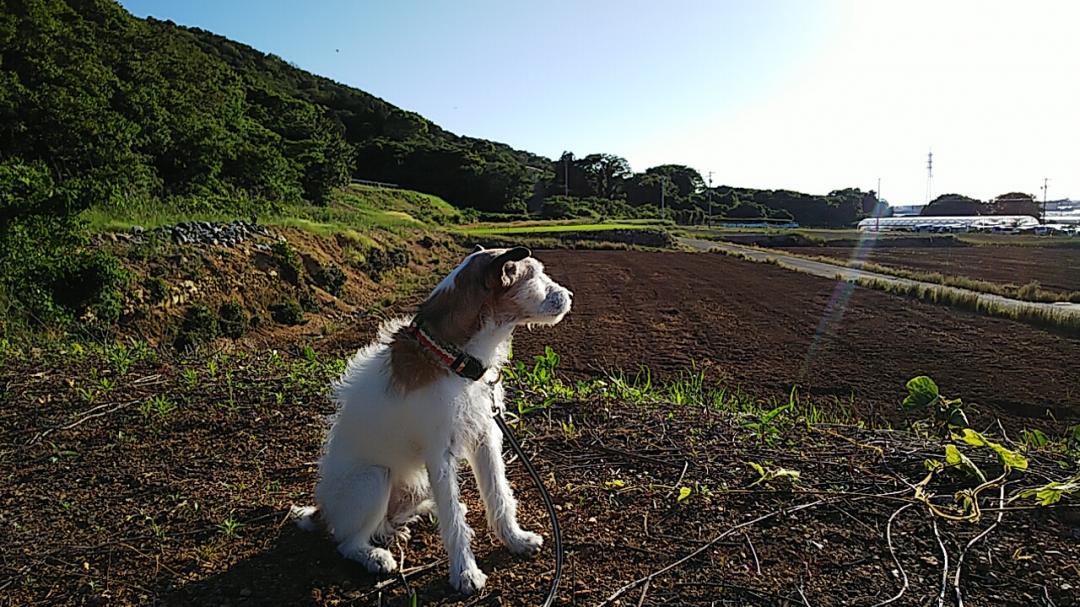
419 399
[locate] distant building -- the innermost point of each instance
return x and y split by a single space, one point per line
961 223
907 210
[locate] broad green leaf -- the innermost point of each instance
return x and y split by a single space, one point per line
954 458
1007 456
684 492
922 391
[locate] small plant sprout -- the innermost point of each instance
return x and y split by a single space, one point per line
159 405
923 394
684 494
569 430
230 527
616 483
768 475
191 377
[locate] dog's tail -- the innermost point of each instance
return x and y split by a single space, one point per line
307 517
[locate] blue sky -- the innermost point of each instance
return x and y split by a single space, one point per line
794 94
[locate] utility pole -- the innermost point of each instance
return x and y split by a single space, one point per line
929 175
708 220
1044 188
877 207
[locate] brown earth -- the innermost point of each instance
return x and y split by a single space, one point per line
111 503
765 329
1056 269
112 496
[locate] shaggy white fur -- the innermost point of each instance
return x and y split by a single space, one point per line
393 454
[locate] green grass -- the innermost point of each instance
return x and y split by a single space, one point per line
553 227
353 208
1031 291
1061 320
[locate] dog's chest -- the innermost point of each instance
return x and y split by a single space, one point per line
472 417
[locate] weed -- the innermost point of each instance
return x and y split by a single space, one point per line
765 425
287 312
768 475
233 320
923 394
190 377
230 527
292 268
199 326
158 405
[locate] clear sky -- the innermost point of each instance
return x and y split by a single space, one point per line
799 94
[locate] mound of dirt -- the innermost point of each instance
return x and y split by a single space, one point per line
268 288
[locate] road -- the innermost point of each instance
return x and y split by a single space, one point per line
834 271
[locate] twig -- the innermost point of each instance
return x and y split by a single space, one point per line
892 551
974 540
757 564
944 566
82 419
708 545
644 591
802 596
686 464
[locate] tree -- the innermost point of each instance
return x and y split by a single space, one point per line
1015 203
686 180
955 204
605 174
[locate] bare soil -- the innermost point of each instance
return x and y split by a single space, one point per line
114 506
108 499
1056 269
766 329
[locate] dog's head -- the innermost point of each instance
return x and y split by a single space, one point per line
504 286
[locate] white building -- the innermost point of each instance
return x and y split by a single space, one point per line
960 223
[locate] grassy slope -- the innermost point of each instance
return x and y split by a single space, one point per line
355 207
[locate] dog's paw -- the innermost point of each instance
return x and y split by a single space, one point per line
469 581
375 560
524 543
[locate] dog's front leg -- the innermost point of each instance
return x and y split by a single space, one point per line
465 576
499 503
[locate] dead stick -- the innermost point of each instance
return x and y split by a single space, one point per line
757 564
716 539
892 551
944 567
974 540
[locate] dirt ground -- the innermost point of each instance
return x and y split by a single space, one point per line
1056 269
765 328
147 478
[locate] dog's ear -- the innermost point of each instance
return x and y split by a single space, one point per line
503 270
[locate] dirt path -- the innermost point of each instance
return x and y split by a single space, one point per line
765 328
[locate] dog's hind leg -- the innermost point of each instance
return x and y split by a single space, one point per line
499 503
354 511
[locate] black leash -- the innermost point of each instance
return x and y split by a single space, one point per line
556 536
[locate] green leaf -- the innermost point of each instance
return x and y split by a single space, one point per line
922 391
1008 457
684 492
615 484
954 458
